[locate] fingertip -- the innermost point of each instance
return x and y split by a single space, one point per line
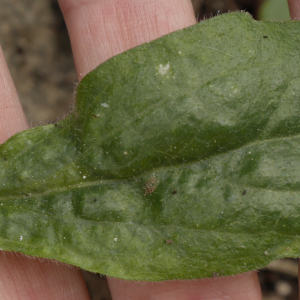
23 277
99 30
294 6
243 286
12 117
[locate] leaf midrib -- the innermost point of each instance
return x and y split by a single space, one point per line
134 178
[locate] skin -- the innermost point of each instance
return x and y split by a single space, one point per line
294 6
100 29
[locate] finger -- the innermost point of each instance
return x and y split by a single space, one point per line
244 286
12 118
294 6
21 277
101 29
32 279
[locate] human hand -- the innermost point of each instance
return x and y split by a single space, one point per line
100 29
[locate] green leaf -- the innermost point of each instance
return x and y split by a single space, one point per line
181 159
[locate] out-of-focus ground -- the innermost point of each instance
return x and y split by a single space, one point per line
36 45
37 49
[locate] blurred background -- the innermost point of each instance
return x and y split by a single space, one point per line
37 49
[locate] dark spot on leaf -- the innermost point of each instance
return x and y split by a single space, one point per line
244 192
150 188
169 241
265 36
94 116
95 200
174 192
4 158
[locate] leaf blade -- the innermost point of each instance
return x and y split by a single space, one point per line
175 162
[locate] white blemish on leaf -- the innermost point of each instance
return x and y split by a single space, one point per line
21 238
163 69
104 105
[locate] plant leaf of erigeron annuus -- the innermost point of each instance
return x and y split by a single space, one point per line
180 160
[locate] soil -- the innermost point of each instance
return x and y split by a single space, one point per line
37 48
